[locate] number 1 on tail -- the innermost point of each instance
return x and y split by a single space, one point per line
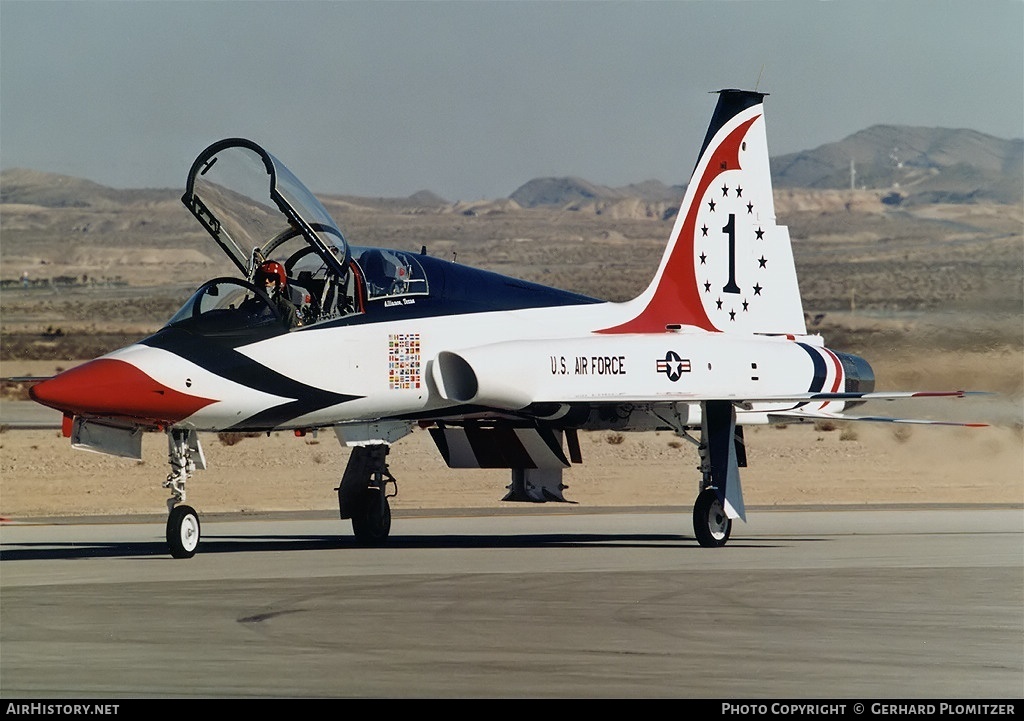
730 230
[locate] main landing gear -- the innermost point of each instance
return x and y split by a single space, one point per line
183 529
362 494
710 524
722 454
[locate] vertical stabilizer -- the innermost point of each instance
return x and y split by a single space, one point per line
728 267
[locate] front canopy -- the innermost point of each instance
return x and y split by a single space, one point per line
257 210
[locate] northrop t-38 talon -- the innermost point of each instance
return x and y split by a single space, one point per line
503 372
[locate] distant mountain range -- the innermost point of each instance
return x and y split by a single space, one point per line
909 164
919 165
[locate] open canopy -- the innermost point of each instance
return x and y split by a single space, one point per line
257 210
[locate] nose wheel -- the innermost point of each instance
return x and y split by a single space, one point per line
183 531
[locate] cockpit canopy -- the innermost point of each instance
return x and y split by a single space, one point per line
257 210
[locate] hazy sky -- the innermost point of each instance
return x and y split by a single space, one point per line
473 99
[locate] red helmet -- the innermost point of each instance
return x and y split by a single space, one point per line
271 269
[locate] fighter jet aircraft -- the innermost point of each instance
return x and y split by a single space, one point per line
314 333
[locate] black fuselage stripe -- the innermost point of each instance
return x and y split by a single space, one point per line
226 362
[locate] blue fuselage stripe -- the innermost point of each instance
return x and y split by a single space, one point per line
820 369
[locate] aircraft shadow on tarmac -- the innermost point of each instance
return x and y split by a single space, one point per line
215 544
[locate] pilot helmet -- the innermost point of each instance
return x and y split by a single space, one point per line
271 269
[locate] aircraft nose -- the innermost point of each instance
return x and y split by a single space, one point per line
108 387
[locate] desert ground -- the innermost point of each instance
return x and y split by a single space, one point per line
933 296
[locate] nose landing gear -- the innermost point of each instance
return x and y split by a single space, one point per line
183 530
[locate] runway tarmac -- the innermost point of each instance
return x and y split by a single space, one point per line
801 604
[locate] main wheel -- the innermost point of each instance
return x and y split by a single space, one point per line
371 523
710 524
183 531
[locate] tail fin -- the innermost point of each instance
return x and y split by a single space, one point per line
728 267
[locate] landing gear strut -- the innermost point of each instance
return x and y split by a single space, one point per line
362 494
182 520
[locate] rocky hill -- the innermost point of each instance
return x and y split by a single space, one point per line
21 186
563 191
915 164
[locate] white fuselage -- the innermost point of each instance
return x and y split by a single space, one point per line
393 369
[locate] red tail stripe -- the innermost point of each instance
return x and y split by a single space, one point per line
677 298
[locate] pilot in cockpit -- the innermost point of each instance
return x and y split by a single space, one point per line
271 276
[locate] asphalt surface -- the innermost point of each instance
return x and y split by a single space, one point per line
800 604
27 415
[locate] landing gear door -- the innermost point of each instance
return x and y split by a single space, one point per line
248 201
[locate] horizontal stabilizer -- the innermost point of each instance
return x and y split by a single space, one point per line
874 396
822 415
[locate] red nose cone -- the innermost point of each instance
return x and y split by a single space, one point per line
114 388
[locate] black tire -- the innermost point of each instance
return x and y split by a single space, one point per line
371 523
183 531
710 524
